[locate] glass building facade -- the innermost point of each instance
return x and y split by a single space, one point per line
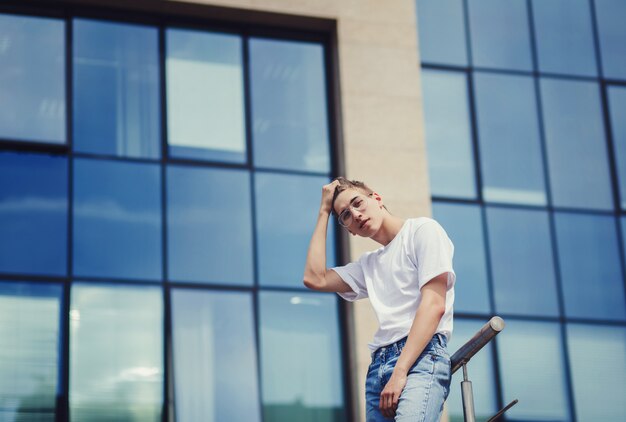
524 118
160 174
158 181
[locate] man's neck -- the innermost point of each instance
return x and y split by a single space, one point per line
388 230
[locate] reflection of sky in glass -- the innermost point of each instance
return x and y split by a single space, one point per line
29 328
289 112
564 37
205 98
209 225
32 79
287 208
448 134
510 150
598 386
116 89
499 34
532 370
479 371
521 259
617 110
441 25
117 219
612 33
116 352
214 356
464 225
300 355
574 130
591 274
33 213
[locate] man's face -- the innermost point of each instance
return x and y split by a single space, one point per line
360 213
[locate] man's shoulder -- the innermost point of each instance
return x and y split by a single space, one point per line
418 222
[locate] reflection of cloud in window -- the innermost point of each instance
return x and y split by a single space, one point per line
113 211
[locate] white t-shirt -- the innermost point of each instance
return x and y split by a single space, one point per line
393 275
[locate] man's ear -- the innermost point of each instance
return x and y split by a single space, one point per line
378 199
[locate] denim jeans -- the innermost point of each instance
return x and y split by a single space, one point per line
427 386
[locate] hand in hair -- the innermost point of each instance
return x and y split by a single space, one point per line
328 192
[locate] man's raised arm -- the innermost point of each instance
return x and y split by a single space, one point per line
316 275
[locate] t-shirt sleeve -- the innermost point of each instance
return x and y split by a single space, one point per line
352 275
433 253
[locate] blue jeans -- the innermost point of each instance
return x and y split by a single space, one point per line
427 386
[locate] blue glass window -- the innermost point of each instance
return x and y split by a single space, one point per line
574 129
597 387
441 25
32 79
33 214
564 35
289 111
479 371
617 110
287 208
116 352
205 96
116 89
214 356
448 134
29 363
499 34
464 225
530 356
612 34
117 220
300 357
522 264
209 225
591 273
508 131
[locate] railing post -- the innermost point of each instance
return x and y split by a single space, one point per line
468 398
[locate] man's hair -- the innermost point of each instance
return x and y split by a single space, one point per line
345 184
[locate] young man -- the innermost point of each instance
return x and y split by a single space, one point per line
410 283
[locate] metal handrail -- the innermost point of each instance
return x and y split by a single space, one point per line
462 356
473 345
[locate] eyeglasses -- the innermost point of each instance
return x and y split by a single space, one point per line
359 204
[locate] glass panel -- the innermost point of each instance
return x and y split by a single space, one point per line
117 219
209 225
597 387
205 96
479 371
522 264
576 147
301 366
441 25
29 356
287 132
612 33
287 208
448 134
116 353
464 225
33 214
116 89
617 105
510 148
564 37
32 79
215 357
591 273
510 48
532 370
